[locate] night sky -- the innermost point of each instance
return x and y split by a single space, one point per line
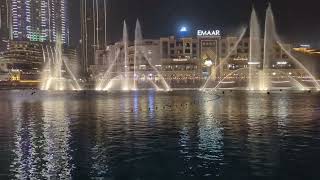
297 20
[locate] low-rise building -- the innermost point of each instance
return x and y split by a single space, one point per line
23 60
184 60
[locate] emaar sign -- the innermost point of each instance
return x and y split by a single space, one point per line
209 33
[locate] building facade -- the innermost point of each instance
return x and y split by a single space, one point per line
4 24
190 61
235 55
23 60
93 16
180 60
39 21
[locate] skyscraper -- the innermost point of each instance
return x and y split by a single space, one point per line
4 28
3 14
39 20
93 30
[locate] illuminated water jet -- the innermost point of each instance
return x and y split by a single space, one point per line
129 76
56 74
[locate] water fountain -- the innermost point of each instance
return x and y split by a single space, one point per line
141 56
271 39
129 76
56 74
261 76
209 81
126 58
254 52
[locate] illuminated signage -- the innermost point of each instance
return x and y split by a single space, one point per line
305 45
240 59
253 63
209 33
282 63
180 60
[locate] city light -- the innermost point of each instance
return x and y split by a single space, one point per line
183 29
197 90
208 63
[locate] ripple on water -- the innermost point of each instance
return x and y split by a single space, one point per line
158 135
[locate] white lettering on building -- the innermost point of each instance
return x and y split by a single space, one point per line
209 33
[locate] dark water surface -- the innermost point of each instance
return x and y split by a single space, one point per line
149 135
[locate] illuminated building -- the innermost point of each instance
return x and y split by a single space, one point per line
150 56
105 58
33 24
309 57
209 48
307 49
239 54
93 18
39 21
179 59
188 61
4 24
72 58
24 59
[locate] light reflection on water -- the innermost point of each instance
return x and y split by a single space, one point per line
41 138
162 135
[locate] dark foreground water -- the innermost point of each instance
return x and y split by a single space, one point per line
148 135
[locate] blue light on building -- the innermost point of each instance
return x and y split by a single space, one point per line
184 32
183 29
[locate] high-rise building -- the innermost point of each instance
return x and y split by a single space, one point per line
93 31
39 20
4 24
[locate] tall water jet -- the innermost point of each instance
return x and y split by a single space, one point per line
126 61
53 74
140 55
299 64
104 82
137 49
269 42
255 50
129 76
224 60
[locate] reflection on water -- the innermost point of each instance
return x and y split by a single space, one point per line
150 135
41 140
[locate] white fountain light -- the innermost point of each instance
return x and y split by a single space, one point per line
56 67
128 79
